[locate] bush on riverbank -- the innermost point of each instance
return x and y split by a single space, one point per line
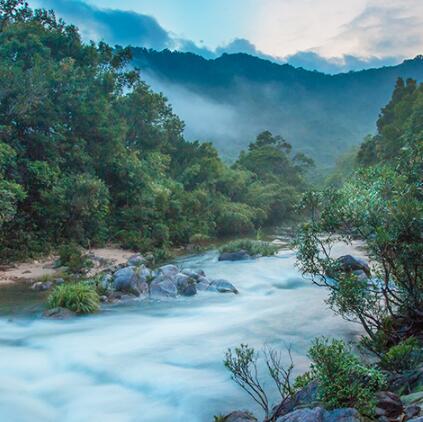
252 247
343 380
80 298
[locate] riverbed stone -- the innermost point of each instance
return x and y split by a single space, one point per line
185 285
131 279
168 271
349 263
240 416
163 288
136 260
388 404
59 313
41 286
234 256
222 286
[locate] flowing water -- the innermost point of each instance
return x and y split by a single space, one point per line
159 361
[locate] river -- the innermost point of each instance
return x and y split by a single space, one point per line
160 361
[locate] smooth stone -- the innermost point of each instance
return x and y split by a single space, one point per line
234 256
240 416
168 271
136 260
131 279
41 286
59 313
351 263
222 286
163 288
185 285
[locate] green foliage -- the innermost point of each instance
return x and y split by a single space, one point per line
343 380
303 380
403 356
73 257
253 247
77 297
383 206
89 153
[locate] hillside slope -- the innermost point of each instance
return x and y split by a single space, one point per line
230 99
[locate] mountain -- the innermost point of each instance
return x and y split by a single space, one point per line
230 99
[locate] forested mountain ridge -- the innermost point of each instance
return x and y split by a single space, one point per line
322 115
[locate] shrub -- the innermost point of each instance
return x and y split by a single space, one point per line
303 380
405 355
77 297
343 380
253 247
72 256
242 362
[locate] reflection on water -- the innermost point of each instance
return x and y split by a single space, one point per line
159 361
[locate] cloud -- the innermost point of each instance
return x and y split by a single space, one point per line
385 28
313 61
111 25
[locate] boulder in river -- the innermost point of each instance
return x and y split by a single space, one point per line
163 288
59 313
185 285
234 256
222 286
131 280
41 286
168 271
349 263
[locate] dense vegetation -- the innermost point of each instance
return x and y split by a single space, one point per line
322 115
381 203
88 153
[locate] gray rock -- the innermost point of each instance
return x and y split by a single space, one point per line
185 285
350 263
420 419
41 286
319 414
59 281
136 260
234 256
203 283
412 411
106 281
388 405
196 274
131 280
413 399
59 313
361 275
163 288
240 416
222 286
168 271
306 397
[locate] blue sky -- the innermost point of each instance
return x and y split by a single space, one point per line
329 35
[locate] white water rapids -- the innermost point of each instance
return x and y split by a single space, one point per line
160 361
